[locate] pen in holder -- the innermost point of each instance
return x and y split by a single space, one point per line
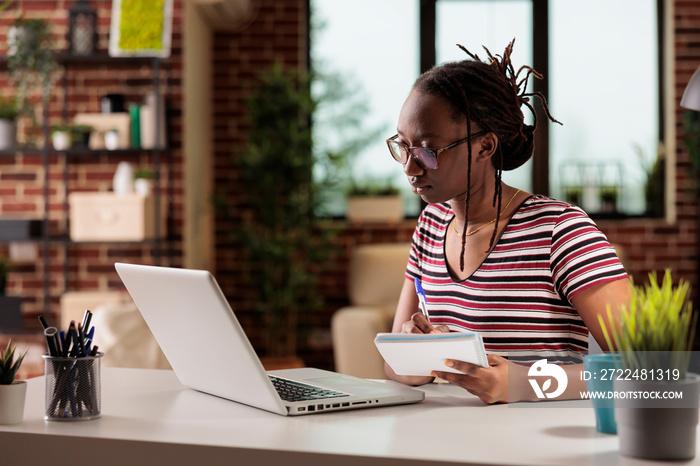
72 388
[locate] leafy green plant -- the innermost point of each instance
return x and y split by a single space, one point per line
281 234
372 188
657 330
143 172
9 365
32 64
8 108
60 128
654 169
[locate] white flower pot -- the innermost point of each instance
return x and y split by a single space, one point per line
658 429
378 209
143 186
112 140
12 402
61 140
8 134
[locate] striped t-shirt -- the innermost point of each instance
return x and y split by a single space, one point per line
519 299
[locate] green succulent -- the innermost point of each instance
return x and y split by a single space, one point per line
9 365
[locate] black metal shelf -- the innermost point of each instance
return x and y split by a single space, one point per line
161 156
98 58
81 153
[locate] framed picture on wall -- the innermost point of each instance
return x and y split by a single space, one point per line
141 28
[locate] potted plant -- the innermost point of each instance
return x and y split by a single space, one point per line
61 137
8 123
654 338
374 202
12 392
281 234
654 173
573 195
608 199
143 181
32 65
80 136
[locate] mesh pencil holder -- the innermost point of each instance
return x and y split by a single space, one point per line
73 388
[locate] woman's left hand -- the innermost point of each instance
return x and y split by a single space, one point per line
490 384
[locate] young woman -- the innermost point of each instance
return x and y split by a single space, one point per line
529 273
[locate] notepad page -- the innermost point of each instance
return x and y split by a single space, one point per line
422 354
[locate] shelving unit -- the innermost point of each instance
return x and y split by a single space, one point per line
158 156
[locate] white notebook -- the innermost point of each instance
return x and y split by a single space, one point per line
420 354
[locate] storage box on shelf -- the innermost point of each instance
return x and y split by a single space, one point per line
100 216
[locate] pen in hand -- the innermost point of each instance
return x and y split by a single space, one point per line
421 298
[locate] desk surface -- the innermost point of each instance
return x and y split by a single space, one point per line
148 416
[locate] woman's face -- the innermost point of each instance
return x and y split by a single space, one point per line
426 120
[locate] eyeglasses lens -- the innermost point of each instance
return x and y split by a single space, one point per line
425 158
398 152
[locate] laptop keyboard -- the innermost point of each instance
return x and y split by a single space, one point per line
295 391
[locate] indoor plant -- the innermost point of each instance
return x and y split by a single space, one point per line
654 169
32 64
374 201
654 338
61 137
80 136
281 234
143 181
608 199
12 392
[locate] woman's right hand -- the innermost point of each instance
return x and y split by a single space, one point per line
417 324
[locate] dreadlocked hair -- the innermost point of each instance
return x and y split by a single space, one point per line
490 95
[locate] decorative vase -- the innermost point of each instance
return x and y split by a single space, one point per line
12 398
112 140
123 182
658 429
8 134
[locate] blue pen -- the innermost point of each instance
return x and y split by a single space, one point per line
421 298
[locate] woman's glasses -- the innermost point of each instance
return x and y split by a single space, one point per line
424 157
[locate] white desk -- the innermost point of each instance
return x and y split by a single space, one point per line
148 417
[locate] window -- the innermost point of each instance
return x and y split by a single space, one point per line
373 45
499 23
603 86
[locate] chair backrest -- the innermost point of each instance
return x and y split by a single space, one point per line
376 274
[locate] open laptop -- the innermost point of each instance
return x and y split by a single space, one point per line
209 351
